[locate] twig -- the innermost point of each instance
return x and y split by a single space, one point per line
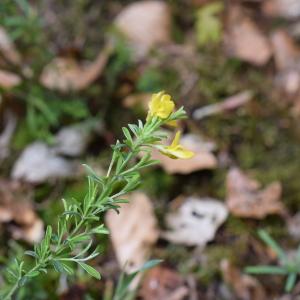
230 103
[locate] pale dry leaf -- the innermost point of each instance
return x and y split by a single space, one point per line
7 48
286 52
146 24
10 122
133 231
246 287
244 40
8 79
161 283
287 55
39 163
289 9
66 74
246 199
294 225
195 222
203 158
16 210
74 139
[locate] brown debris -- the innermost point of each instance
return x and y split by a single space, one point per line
245 286
8 49
154 25
66 74
161 283
246 199
244 39
133 231
8 79
15 207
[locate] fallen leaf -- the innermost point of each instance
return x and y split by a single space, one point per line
154 25
39 163
66 74
203 158
246 199
73 140
294 225
15 206
161 283
286 52
289 9
7 48
244 40
133 231
195 222
8 79
10 122
245 286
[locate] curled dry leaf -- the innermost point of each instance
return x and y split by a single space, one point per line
244 40
8 80
161 283
203 158
15 207
8 49
245 286
289 9
66 74
195 222
246 199
39 163
154 24
133 231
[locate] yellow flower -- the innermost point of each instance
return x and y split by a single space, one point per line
161 105
175 150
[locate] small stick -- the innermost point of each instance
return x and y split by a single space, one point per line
230 103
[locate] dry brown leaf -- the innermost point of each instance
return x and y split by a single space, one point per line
244 39
7 48
146 24
161 283
66 74
286 52
246 199
245 286
195 222
8 79
203 159
133 231
289 9
15 207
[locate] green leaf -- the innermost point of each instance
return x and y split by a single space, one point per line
290 282
273 244
266 270
208 24
31 253
93 272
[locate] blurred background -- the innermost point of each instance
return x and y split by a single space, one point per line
72 73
